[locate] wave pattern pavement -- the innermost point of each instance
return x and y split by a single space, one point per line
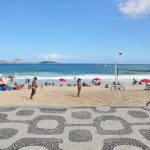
74 128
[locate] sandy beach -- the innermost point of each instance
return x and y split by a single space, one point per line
90 96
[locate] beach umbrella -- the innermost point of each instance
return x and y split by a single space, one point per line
62 80
145 80
96 79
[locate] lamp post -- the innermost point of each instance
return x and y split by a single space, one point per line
116 72
115 76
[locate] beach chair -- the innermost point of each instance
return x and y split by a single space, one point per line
29 86
10 88
148 87
1 89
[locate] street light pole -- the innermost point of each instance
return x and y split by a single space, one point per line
115 76
116 72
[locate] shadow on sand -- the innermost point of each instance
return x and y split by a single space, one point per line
71 95
25 97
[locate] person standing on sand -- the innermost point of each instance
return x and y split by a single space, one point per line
34 87
79 87
28 81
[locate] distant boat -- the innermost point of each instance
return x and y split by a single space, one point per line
105 65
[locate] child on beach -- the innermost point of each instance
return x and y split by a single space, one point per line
34 87
79 87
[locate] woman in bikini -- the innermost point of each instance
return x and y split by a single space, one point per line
79 87
34 87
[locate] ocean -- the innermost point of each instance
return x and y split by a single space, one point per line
52 72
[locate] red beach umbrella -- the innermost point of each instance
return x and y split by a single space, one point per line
96 79
62 80
145 80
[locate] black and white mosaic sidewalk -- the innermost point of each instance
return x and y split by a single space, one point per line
74 128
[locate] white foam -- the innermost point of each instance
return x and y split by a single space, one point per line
122 78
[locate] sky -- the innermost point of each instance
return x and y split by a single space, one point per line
75 31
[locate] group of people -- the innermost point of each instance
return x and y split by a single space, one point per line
95 82
135 82
46 83
27 81
4 86
79 85
35 86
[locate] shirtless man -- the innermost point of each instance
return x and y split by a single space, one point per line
34 87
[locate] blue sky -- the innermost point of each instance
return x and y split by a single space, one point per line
75 31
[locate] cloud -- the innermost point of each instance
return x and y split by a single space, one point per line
135 9
54 56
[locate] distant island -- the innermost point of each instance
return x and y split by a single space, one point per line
19 61
15 61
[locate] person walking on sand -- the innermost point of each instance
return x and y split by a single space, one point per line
34 87
79 87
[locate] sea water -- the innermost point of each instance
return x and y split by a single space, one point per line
52 72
